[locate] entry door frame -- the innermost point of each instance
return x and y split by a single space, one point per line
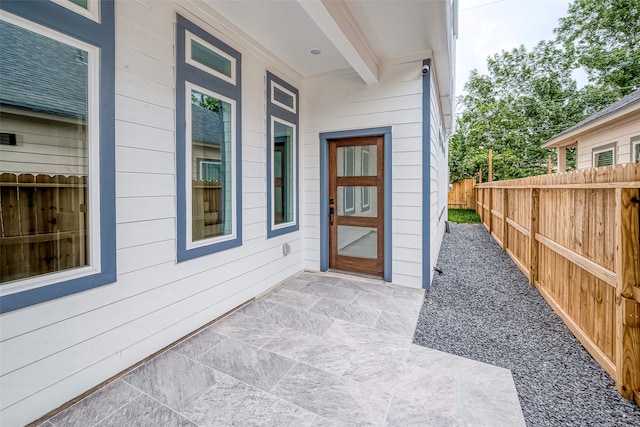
325 138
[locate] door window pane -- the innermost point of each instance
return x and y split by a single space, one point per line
211 154
357 161
359 242
358 201
44 167
283 172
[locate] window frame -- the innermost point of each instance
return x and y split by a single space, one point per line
91 12
209 82
189 59
276 111
635 156
603 149
66 24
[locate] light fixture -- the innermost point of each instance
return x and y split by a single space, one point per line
315 51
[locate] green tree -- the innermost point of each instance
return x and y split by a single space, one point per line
603 37
525 98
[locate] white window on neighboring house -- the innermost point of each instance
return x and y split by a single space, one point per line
635 150
604 156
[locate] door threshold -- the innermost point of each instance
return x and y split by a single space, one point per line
362 275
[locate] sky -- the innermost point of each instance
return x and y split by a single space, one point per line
487 27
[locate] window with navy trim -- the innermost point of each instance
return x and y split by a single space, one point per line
208 139
282 157
57 151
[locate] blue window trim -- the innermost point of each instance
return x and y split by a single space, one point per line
274 110
188 73
426 176
324 192
99 34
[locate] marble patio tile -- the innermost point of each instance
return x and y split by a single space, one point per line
437 391
369 339
323 422
324 290
399 324
387 303
248 329
173 379
289 317
256 309
361 285
232 403
295 284
413 295
145 411
488 397
312 350
200 343
332 397
349 312
404 413
319 277
292 299
438 361
253 365
97 405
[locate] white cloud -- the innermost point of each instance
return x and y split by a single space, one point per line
487 27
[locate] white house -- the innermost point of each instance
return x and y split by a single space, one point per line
163 162
609 137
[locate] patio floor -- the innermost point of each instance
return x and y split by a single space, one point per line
322 350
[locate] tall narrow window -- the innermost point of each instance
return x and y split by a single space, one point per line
208 143
635 150
282 160
56 152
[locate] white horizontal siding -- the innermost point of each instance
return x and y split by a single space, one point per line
54 351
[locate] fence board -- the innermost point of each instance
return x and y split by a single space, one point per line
44 222
576 237
462 195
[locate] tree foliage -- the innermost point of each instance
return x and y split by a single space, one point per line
529 96
603 37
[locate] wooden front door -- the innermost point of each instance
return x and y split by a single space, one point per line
356 205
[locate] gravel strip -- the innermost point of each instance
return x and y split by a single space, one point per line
483 308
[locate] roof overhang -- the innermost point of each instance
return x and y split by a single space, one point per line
571 137
361 35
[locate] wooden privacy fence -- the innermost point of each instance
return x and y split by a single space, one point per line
576 236
462 195
206 208
43 224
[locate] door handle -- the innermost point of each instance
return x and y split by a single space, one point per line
331 212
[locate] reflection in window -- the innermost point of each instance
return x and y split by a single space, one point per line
211 160
283 172
44 167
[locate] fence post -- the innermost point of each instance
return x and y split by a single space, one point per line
505 226
490 204
627 266
533 244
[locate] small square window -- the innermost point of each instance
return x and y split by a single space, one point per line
208 58
603 157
